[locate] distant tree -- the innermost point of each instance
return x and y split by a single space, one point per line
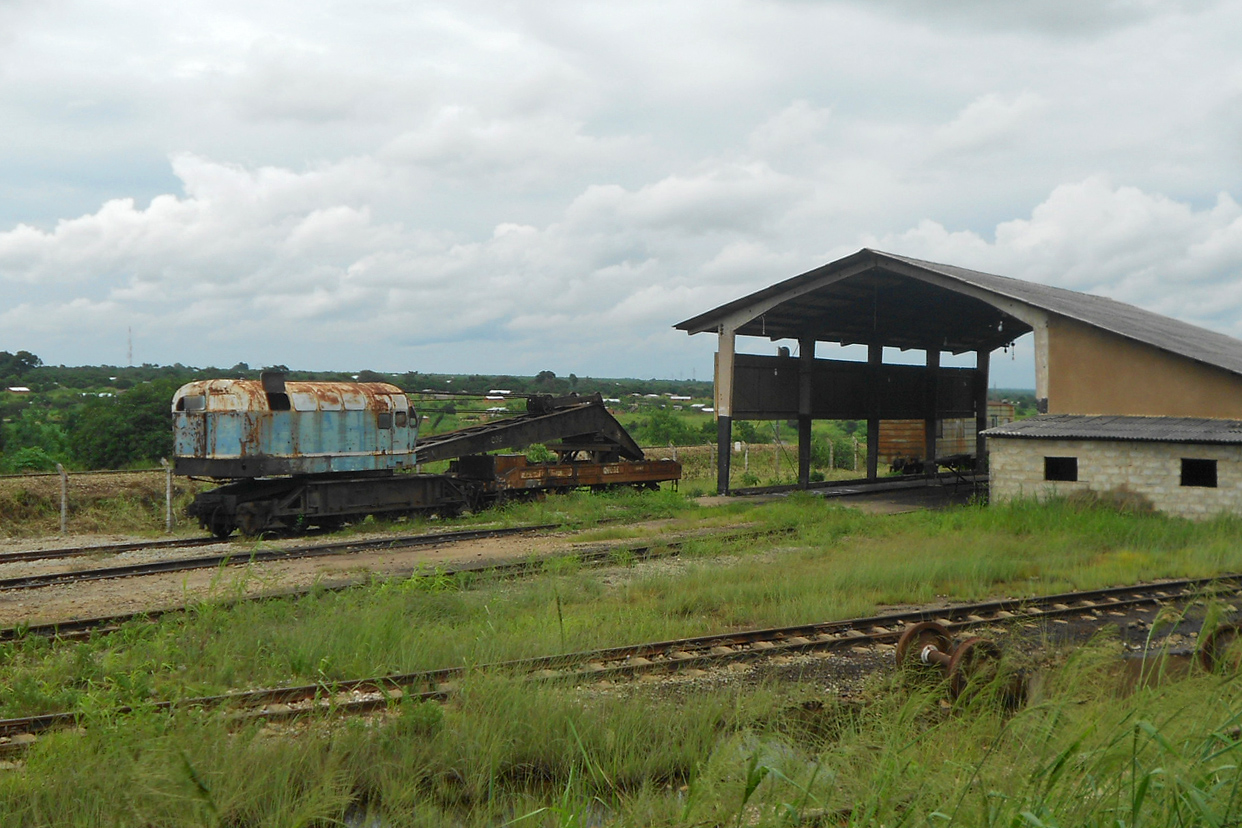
744 431
371 376
278 369
239 368
132 428
662 427
32 459
15 366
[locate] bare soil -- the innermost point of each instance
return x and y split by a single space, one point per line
91 599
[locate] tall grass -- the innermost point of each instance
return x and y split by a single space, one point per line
838 563
507 753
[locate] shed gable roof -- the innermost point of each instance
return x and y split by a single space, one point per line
1162 332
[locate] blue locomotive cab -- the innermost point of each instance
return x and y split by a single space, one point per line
228 429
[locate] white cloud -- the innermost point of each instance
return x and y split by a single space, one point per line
987 121
492 186
1142 248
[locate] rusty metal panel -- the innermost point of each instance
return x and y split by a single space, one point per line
242 430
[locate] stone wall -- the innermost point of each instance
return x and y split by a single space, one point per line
1150 470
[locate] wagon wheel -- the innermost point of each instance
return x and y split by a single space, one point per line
918 636
974 664
1218 651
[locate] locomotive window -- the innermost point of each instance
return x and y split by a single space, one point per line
303 401
278 401
401 419
195 402
384 420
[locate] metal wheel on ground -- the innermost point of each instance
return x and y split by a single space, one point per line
1219 651
918 636
974 665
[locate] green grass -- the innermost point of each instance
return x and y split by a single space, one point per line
566 756
837 563
771 755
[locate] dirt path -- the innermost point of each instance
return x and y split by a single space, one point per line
177 589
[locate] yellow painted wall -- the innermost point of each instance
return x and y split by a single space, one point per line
1091 371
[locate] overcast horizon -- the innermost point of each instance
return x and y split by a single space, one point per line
495 188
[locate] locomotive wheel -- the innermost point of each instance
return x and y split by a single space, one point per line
220 523
974 664
1218 651
918 636
251 519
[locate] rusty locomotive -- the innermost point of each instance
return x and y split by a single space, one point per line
300 454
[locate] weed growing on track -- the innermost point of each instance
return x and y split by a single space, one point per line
510 754
837 563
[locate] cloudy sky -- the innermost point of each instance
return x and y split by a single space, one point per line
493 187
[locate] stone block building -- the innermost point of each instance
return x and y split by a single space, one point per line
1184 466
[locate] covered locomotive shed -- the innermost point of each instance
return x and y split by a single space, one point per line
1093 355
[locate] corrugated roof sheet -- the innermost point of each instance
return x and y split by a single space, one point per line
1134 323
1162 332
1145 429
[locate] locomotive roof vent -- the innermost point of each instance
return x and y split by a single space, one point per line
274 387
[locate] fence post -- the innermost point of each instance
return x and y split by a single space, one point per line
855 439
64 498
168 517
831 460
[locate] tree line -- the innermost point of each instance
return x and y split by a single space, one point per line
113 417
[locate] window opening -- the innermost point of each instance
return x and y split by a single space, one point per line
1063 469
401 419
385 420
1198 472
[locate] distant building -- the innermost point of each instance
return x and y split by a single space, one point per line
1187 466
18 389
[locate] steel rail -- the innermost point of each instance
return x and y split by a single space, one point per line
79 628
358 695
103 549
260 556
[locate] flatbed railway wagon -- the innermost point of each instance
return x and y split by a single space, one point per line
291 455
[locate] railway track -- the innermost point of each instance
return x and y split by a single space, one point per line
361 695
259 556
103 549
604 554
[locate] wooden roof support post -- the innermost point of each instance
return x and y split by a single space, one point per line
931 410
724 408
982 360
806 375
875 360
